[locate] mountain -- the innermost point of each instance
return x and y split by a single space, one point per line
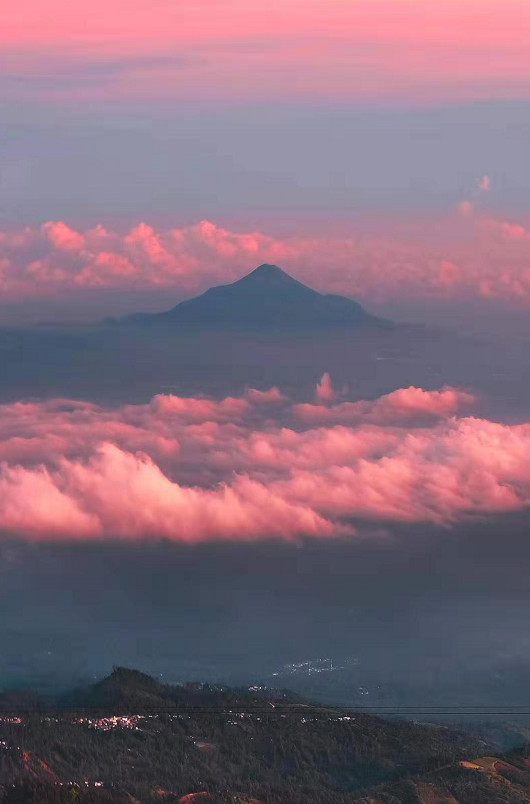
267 298
148 741
125 691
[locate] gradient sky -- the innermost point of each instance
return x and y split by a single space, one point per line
241 110
152 148
343 49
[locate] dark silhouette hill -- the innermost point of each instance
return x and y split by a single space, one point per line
267 298
241 746
123 690
130 691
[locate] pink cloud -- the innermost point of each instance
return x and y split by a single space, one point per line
270 397
199 410
406 405
324 391
62 237
453 258
203 469
32 504
134 499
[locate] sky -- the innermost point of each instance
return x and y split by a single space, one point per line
228 49
376 149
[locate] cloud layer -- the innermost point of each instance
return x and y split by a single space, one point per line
256 466
463 256
369 49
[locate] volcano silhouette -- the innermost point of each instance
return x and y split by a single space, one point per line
267 298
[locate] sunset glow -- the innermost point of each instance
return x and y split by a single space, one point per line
264 401
372 50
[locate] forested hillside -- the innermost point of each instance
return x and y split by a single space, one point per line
131 739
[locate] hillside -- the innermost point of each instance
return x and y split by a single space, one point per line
234 744
484 779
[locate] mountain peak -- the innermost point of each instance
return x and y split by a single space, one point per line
124 675
267 275
268 270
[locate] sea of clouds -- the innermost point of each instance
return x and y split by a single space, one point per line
255 466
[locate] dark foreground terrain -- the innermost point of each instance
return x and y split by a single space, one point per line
131 739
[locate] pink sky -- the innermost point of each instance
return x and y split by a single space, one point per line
422 50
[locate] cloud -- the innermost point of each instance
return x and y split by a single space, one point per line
411 406
200 410
324 391
466 256
62 237
256 466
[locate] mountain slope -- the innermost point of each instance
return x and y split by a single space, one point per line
233 744
501 779
267 298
